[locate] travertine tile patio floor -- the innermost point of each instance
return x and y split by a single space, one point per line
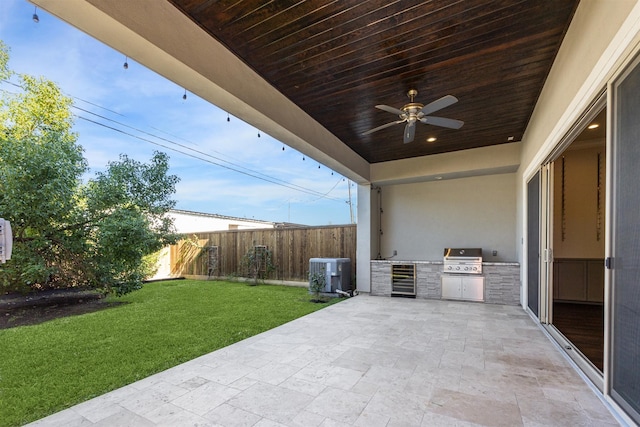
367 361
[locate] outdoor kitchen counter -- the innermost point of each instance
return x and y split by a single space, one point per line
501 280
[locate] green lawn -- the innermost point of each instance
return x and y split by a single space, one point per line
57 364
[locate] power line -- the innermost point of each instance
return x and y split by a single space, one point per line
236 168
169 141
272 180
325 194
99 106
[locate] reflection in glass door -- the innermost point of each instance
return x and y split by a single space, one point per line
578 242
572 198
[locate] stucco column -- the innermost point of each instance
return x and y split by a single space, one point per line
363 245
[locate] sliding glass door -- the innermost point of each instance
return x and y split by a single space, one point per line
625 262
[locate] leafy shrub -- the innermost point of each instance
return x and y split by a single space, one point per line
317 282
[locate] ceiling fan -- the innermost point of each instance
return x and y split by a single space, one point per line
416 112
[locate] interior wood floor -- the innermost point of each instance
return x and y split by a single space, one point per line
583 325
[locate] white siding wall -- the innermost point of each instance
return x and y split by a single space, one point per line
193 223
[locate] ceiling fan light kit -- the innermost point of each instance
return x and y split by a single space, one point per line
416 112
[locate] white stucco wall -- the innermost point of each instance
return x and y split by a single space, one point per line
420 219
364 244
196 223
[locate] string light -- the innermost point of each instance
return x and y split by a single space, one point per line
258 134
35 15
228 118
303 158
283 148
126 64
190 152
184 97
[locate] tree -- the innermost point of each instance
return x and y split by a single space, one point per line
68 233
126 220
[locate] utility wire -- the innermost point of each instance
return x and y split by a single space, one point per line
235 167
122 115
283 184
163 139
325 194
248 172
99 106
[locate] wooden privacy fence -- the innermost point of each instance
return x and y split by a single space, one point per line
220 253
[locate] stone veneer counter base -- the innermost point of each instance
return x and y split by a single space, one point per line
501 280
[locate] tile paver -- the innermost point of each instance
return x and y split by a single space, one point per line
368 361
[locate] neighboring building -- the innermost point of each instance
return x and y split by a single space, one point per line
197 222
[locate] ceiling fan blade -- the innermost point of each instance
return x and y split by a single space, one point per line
390 109
442 122
409 132
439 104
382 127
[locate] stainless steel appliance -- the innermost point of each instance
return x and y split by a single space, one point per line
462 274
463 260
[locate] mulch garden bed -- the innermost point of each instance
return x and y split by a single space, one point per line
31 309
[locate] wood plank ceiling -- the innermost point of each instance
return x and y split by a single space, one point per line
338 59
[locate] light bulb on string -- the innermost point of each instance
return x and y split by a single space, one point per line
184 97
258 134
228 118
283 148
318 165
303 158
126 63
35 15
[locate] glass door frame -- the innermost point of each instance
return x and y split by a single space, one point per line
546 242
611 233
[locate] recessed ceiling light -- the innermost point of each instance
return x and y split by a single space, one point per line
593 126
431 139
438 178
510 138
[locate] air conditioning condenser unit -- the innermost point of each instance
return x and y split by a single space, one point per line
337 273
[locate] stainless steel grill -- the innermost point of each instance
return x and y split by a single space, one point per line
463 260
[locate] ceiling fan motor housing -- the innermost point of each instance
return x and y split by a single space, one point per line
412 111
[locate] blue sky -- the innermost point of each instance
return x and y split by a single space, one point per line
224 167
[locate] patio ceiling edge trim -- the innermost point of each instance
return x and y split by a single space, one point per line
155 34
495 159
